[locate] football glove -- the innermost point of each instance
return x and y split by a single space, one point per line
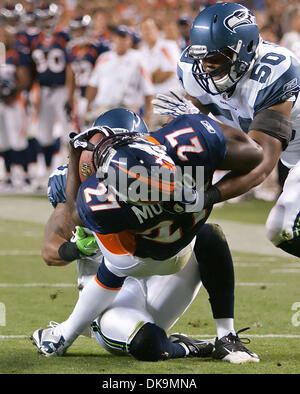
173 106
81 140
86 243
68 107
194 201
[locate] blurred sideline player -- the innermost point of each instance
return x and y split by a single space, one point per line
55 85
176 248
253 85
14 79
84 52
119 79
159 58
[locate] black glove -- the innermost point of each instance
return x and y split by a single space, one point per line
68 107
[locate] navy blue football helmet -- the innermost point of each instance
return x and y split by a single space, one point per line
134 168
228 30
121 119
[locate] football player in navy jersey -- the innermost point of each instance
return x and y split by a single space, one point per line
253 85
15 78
166 241
54 86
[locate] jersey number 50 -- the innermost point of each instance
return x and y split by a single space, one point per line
261 72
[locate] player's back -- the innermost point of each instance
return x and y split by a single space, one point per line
151 231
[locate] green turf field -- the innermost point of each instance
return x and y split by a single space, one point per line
32 294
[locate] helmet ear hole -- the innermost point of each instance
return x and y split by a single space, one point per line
250 46
215 18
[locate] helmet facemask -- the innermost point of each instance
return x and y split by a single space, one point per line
223 77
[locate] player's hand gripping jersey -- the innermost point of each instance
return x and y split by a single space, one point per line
274 78
149 230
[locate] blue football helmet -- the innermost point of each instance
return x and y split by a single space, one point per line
134 168
122 119
228 30
47 17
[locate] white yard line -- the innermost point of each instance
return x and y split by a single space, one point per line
73 284
193 336
37 285
20 252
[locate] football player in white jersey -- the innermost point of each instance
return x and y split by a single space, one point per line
253 85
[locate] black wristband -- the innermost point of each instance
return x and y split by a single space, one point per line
211 197
68 251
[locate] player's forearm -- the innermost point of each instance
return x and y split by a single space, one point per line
233 184
90 95
51 257
58 230
148 108
73 180
70 83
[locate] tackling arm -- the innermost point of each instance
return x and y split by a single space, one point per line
73 184
58 230
238 182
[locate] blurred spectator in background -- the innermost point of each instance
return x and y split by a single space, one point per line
157 29
119 79
100 30
14 78
184 23
83 52
291 29
160 58
268 33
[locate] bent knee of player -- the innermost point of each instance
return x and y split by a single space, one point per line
118 326
149 343
277 228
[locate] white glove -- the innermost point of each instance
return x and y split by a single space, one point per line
169 106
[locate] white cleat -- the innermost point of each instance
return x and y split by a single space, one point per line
50 342
230 348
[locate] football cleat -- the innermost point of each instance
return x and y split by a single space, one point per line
50 342
231 348
196 347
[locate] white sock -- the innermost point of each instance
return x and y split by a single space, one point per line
92 301
224 327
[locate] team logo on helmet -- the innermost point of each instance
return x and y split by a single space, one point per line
239 18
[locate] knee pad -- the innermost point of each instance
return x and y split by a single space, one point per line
277 228
149 344
117 326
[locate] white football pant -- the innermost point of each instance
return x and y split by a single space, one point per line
155 299
283 222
